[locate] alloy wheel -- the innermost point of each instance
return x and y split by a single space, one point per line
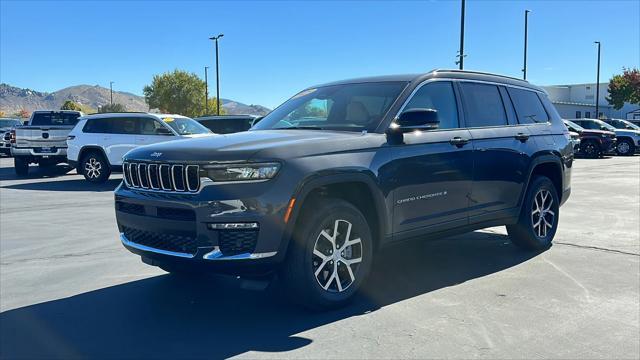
92 168
623 147
337 254
590 149
542 215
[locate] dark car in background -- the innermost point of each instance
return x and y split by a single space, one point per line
594 143
6 124
228 124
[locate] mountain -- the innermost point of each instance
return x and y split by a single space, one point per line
14 99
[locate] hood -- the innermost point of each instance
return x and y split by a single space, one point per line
257 144
627 132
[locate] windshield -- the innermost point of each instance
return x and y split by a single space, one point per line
185 125
573 125
349 107
5 123
605 125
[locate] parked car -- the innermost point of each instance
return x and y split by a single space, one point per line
96 145
227 124
324 182
6 125
628 135
575 139
594 143
43 140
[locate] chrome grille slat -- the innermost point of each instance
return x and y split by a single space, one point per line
161 177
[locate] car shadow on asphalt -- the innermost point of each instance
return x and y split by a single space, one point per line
35 172
164 317
67 185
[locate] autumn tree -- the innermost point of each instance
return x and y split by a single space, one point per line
624 88
178 92
22 114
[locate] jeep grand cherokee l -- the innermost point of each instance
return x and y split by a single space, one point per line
339 171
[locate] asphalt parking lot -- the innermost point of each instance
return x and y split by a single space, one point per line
69 289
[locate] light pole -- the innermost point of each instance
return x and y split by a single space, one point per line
206 91
215 38
598 82
111 90
461 51
526 28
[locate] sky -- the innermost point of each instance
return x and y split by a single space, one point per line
271 50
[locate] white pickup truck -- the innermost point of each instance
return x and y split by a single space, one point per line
43 140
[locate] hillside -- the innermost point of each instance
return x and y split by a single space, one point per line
13 99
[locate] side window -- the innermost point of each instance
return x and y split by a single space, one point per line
150 126
483 104
100 126
528 106
122 125
439 96
578 114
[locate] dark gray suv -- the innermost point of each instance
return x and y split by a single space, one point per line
341 170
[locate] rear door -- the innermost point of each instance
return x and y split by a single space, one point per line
432 170
502 150
121 137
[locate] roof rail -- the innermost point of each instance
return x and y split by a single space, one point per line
477 72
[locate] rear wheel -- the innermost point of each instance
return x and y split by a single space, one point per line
590 149
21 166
330 255
538 219
625 147
95 167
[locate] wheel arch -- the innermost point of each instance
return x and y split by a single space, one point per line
549 165
85 149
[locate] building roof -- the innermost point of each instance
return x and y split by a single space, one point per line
578 104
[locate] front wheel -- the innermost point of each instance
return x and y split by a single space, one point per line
591 149
625 147
95 167
330 255
539 215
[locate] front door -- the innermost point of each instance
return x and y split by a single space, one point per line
432 170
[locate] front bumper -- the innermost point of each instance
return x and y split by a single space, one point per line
174 228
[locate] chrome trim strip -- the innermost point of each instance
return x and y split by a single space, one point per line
160 174
216 254
130 243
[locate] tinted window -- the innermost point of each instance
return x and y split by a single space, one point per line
438 96
578 114
54 118
150 126
97 126
587 114
122 125
227 126
529 109
484 105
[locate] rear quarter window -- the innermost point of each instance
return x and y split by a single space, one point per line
529 108
101 126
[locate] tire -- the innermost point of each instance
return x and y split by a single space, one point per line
525 234
21 166
94 167
625 147
590 149
336 281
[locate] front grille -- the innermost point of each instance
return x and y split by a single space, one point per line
166 177
237 241
168 242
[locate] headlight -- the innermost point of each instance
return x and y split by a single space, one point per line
240 172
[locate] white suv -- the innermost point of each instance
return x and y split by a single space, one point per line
98 142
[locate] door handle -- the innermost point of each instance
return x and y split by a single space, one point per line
522 137
458 141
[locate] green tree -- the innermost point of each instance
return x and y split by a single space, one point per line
624 88
115 107
71 105
178 92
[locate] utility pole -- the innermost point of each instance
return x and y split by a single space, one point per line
206 91
111 90
215 38
461 51
598 83
526 28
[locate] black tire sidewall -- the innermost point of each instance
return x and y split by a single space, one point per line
539 183
326 212
596 151
104 170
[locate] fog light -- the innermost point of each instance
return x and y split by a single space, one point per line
227 226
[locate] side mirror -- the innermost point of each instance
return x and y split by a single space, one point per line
411 120
163 131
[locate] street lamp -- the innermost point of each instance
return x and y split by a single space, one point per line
526 28
111 90
206 91
598 83
215 38
461 54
